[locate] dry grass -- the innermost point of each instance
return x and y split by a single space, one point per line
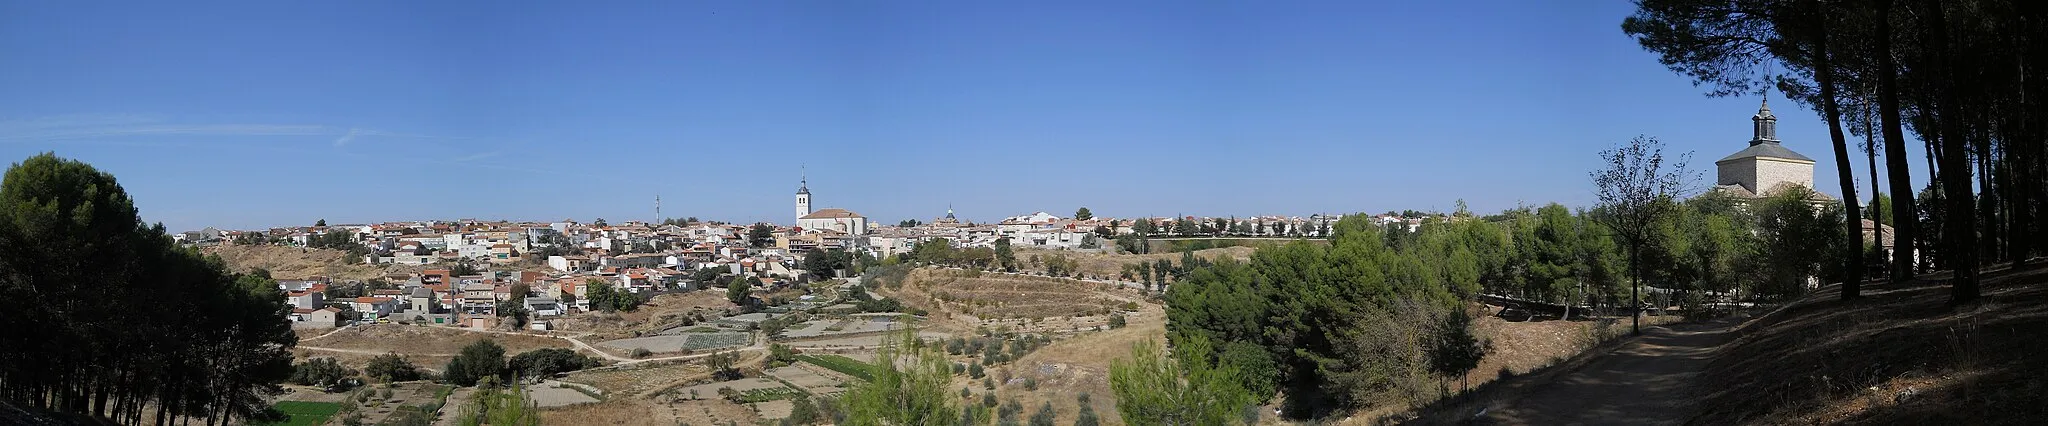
1068 367
296 263
974 296
661 312
1899 355
618 411
640 380
1109 265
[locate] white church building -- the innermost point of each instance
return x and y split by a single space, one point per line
1766 167
837 220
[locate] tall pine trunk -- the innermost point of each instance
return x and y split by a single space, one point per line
1960 216
1894 145
1876 214
1824 75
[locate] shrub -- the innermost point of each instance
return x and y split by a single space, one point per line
549 361
477 361
391 367
641 352
324 373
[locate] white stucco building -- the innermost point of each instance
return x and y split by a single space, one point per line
840 220
1766 167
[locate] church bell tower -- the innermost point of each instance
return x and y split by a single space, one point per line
803 198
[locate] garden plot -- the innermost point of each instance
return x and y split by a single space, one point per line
810 381
852 325
710 390
685 341
552 393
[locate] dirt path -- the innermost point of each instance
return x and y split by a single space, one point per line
1644 382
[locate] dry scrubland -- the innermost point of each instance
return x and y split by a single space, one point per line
657 314
959 301
1070 366
1109 265
295 263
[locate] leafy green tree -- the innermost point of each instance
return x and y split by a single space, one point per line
1153 389
739 291
323 373
1144 227
1083 214
1453 350
724 365
476 362
548 362
391 367
604 297
515 310
909 387
1636 189
88 285
1044 416
1004 256
493 405
822 263
1086 416
320 223
761 235
802 411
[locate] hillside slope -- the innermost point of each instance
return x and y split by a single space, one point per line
299 263
1900 355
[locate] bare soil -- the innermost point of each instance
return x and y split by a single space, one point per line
962 300
299 263
1073 365
660 313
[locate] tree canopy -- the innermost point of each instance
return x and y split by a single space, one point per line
108 317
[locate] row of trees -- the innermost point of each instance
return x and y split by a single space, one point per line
105 316
484 362
1334 326
1377 316
1962 75
1222 227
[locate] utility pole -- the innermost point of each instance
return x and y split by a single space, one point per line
657 208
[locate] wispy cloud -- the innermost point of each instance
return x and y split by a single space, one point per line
44 132
70 121
344 139
477 156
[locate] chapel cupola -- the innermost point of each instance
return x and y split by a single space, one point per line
1766 125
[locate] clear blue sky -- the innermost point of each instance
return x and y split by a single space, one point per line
265 114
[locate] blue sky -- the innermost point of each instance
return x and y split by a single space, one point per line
261 114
